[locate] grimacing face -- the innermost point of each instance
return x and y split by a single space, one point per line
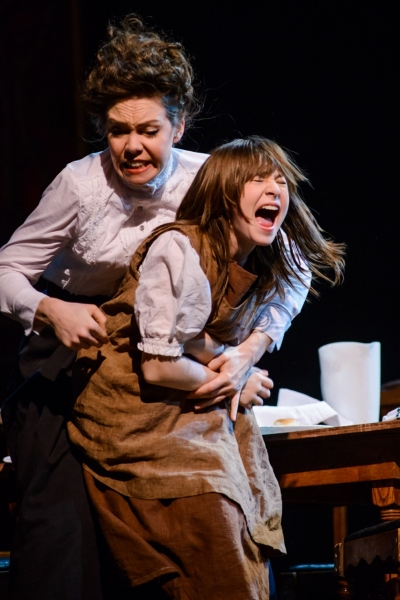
140 137
265 202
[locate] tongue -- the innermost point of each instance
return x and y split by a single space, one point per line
264 221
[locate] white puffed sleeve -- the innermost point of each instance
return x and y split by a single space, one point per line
173 298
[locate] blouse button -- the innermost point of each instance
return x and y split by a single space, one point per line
141 227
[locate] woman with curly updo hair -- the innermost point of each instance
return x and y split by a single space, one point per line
136 62
80 238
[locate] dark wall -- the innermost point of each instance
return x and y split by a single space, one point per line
317 79
41 116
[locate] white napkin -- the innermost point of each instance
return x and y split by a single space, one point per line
290 398
305 409
350 379
392 415
310 412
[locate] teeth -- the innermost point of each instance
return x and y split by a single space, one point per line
134 165
270 207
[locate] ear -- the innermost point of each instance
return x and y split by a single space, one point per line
179 131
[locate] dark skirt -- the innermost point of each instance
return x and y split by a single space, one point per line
55 550
185 548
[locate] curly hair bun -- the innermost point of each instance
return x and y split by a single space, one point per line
137 62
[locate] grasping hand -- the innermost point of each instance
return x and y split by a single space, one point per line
233 366
76 325
256 389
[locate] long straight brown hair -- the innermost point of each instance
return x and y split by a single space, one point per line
214 196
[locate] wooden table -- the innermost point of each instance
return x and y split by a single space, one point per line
357 464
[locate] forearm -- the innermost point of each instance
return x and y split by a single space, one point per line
203 348
253 348
179 373
232 367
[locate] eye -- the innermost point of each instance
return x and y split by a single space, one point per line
280 179
151 132
116 131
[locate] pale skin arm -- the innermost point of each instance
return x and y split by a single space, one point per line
180 373
233 369
258 385
204 348
185 374
76 325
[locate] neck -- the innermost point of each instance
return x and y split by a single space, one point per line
239 252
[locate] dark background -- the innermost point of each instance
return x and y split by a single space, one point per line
319 78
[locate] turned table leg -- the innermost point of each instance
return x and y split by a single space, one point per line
343 591
339 514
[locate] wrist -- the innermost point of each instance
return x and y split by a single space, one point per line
44 311
256 345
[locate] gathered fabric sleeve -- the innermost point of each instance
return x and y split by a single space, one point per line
173 297
278 314
33 246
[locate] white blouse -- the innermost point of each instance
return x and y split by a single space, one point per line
173 297
85 229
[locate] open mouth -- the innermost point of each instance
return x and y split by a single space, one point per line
136 166
266 215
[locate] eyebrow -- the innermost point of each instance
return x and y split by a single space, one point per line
276 173
112 121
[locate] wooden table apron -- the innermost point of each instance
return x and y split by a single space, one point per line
357 464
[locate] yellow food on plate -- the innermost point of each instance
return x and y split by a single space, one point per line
285 422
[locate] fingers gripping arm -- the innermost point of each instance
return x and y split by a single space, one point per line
233 370
76 325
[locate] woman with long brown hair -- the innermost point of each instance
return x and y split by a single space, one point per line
185 496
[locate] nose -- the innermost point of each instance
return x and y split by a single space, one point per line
272 188
134 145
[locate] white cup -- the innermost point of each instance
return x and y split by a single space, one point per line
350 379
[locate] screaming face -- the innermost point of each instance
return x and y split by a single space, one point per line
140 137
264 202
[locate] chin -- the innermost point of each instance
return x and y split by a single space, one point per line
267 242
139 178
137 181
